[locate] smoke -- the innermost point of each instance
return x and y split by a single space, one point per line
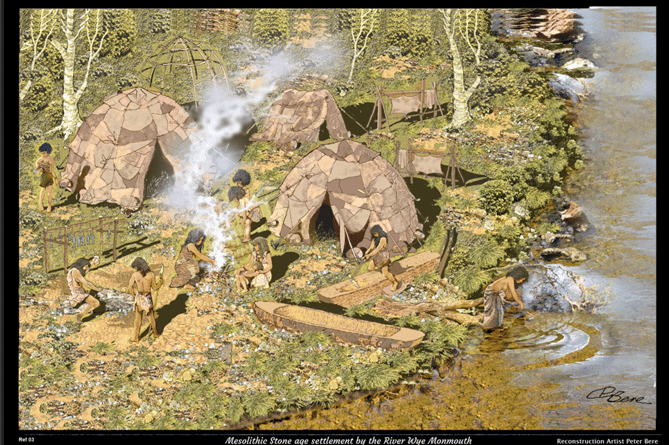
224 115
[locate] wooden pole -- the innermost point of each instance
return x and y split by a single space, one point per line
66 241
100 234
379 123
422 93
115 231
46 253
409 160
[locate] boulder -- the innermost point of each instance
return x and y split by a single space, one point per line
579 64
568 88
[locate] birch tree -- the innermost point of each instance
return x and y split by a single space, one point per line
464 23
41 28
89 26
365 26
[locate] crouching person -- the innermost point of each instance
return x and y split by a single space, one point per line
142 284
75 281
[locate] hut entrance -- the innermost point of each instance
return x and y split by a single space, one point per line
324 225
159 176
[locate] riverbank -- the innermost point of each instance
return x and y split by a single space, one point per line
215 366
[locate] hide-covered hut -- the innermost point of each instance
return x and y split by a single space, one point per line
357 186
110 155
297 116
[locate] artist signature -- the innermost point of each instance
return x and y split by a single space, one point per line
610 394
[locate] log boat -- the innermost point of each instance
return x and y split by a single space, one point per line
371 284
339 327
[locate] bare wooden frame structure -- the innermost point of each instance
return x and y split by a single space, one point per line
190 48
75 235
380 108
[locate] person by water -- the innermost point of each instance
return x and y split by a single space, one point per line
493 296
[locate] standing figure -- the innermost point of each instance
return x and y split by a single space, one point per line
76 281
378 251
258 272
142 284
243 178
238 195
187 266
493 296
46 166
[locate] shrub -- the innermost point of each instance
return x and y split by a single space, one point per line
270 28
496 196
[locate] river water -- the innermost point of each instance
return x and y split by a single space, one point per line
578 370
617 347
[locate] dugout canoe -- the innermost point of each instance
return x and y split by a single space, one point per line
371 284
339 327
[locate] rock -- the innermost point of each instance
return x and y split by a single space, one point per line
568 88
571 253
575 217
550 238
579 64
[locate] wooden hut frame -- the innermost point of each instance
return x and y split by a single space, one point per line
191 50
381 111
411 153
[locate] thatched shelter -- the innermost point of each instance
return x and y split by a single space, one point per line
298 115
357 186
111 152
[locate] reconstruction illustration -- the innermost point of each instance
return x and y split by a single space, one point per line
336 219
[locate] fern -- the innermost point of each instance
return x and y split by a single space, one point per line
407 320
470 279
357 310
536 198
301 297
259 404
486 255
277 370
376 376
255 363
314 339
403 362
236 410
427 277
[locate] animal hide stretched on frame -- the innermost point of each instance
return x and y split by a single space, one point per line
419 164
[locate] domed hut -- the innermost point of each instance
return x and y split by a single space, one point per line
298 116
111 153
354 185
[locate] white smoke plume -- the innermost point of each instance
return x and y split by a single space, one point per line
223 116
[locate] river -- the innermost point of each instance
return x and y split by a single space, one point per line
574 371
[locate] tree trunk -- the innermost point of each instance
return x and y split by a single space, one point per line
460 96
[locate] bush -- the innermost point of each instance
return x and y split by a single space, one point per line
496 196
270 28
39 95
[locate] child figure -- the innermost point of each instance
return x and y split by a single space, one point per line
142 284
493 296
46 166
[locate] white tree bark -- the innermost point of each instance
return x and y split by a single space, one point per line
452 21
365 18
47 21
71 97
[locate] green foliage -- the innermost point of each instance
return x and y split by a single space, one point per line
547 227
259 404
343 20
271 28
486 255
236 409
435 239
376 376
470 279
39 95
102 348
403 362
441 338
509 238
277 369
302 296
496 196
408 30
427 277
536 198
121 32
